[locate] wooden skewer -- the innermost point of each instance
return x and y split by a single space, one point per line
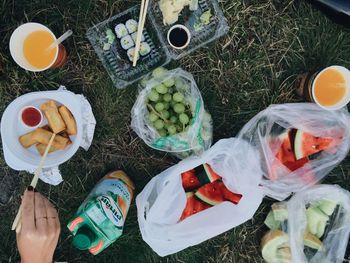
141 25
16 225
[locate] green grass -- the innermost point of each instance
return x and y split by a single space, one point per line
253 66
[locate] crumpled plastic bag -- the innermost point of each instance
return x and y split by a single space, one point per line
312 227
279 181
196 139
336 237
162 201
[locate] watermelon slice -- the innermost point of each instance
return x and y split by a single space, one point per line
296 164
230 196
190 180
193 206
285 140
212 175
216 192
306 144
206 174
211 193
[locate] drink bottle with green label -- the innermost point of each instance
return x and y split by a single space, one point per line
99 221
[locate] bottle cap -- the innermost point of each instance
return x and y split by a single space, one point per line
84 238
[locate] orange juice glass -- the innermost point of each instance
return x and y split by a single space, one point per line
331 88
29 47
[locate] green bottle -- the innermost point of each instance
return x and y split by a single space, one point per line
99 221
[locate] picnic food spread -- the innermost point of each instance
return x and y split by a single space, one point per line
60 121
290 147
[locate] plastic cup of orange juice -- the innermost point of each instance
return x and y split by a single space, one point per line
331 88
29 48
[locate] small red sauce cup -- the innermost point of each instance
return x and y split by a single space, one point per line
31 116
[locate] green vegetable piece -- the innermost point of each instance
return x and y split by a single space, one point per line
205 17
159 124
173 119
327 206
172 129
153 96
184 119
280 211
167 97
178 97
166 105
161 89
179 83
165 114
270 221
169 82
159 106
316 217
179 108
162 133
159 72
153 117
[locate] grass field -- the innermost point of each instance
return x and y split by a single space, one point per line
253 66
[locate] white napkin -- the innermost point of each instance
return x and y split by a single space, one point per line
53 175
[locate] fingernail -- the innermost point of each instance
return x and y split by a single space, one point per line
35 190
30 188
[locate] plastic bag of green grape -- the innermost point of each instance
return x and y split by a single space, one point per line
169 114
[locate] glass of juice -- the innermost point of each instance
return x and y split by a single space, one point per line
331 88
29 47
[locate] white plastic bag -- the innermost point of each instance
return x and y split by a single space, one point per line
336 237
198 136
309 118
160 204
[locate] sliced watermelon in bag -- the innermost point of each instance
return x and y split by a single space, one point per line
211 193
193 206
306 144
190 180
230 196
216 193
284 142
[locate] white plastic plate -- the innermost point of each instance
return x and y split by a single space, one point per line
12 128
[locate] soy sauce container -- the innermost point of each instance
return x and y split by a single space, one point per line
179 36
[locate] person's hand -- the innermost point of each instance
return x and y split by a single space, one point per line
38 237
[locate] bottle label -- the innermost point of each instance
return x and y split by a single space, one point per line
111 210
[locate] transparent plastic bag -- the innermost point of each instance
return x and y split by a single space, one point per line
279 181
336 235
194 140
162 201
312 227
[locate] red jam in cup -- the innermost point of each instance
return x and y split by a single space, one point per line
31 116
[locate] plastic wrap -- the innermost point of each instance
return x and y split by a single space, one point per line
194 140
160 204
309 118
337 231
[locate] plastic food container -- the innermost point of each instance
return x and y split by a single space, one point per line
115 58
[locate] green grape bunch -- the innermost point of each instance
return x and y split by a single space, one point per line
168 111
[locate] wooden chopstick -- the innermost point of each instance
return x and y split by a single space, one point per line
141 25
16 225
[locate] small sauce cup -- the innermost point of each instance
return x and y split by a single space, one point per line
31 117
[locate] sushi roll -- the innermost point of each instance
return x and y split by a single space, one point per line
131 52
131 25
127 42
134 36
145 49
120 30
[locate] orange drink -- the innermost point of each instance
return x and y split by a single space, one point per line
29 45
330 89
36 49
